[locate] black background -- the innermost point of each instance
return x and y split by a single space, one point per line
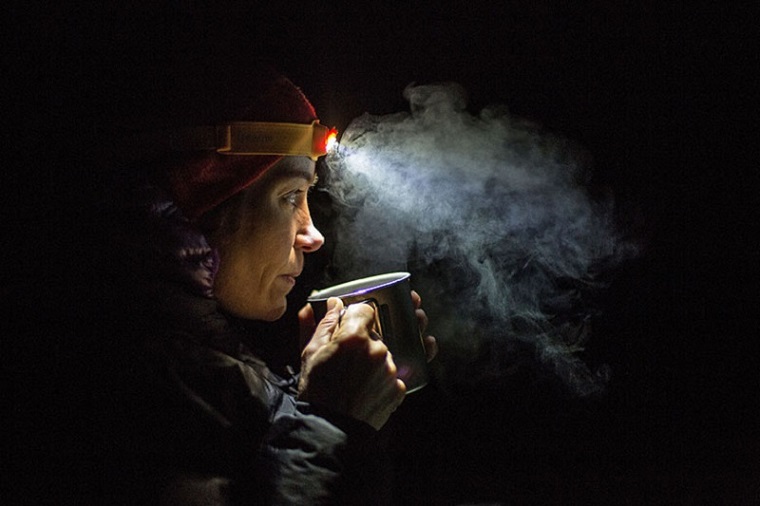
663 97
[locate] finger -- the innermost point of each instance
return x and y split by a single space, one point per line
357 320
400 392
396 394
306 315
431 347
379 352
416 300
386 373
306 324
326 328
422 319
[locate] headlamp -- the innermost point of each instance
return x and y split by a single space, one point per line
257 138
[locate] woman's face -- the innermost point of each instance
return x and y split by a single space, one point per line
261 259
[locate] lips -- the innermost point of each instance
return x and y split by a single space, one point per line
290 278
293 274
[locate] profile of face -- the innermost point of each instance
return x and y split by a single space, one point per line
263 243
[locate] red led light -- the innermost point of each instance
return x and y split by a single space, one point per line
331 139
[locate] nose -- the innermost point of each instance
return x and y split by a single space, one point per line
308 238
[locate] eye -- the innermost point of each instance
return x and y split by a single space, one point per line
295 197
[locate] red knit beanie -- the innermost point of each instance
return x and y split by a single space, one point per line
200 182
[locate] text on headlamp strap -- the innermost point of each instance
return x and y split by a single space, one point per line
256 138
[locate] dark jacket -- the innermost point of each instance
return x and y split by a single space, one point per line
167 403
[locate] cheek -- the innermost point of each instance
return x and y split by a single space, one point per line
270 249
263 246
278 233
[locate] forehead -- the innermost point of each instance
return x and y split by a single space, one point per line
292 167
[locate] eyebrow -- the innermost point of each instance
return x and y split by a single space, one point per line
306 175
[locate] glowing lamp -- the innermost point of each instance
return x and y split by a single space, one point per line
331 140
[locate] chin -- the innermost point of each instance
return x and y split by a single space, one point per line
274 313
270 313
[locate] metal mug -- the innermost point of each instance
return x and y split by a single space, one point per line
395 320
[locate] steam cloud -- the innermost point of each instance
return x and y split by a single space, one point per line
493 218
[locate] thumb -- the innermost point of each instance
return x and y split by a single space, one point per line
327 326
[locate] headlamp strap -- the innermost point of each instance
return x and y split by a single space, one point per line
255 138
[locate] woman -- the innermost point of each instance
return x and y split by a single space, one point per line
179 408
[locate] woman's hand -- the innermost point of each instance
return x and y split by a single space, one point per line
431 345
345 370
308 328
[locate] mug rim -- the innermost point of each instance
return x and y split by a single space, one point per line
359 286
